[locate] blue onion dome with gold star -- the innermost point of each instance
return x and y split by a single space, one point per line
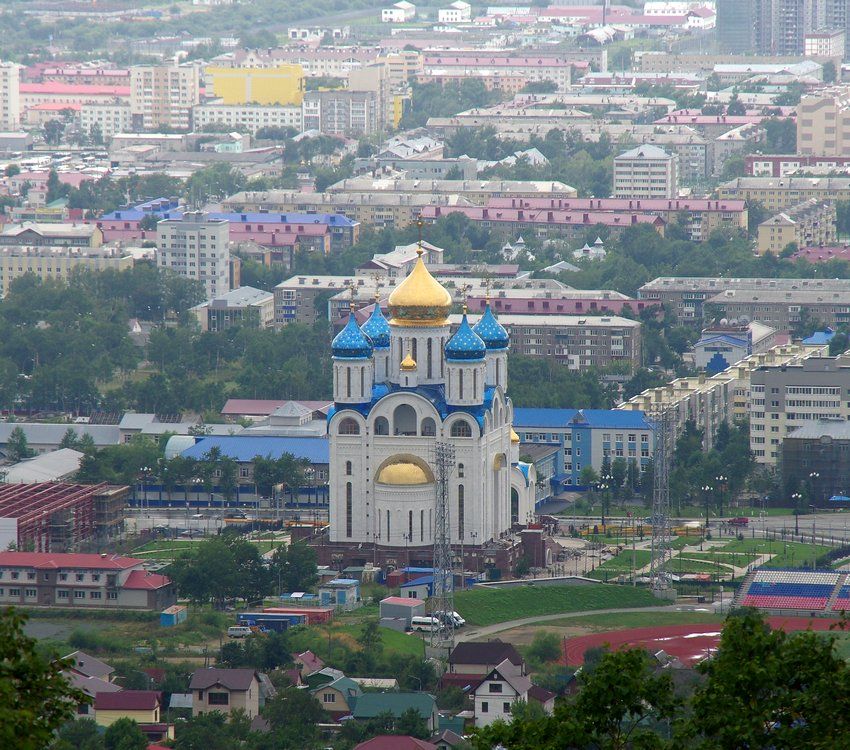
351 342
490 331
377 329
465 345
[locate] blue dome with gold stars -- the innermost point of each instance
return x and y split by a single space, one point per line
491 331
350 342
465 345
377 328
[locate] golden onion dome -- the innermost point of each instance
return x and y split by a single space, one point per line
514 436
420 300
408 363
403 474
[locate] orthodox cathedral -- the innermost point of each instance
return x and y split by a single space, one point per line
400 385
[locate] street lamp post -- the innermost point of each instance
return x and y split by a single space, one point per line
721 480
796 497
813 477
707 489
144 470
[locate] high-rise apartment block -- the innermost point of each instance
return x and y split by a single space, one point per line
646 172
196 247
163 95
775 27
823 122
10 96
341 112
786 397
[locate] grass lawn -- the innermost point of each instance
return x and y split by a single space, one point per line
343 636
490 606
621 564
685 565
739 559
623 620
787 554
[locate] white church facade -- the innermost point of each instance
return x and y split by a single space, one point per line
400 386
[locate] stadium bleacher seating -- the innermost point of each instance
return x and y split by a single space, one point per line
808 590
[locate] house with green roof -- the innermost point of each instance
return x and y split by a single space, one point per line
370 705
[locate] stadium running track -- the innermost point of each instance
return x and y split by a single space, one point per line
688 643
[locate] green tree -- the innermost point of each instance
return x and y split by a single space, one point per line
79 734
618 706
294 567
69 439
412 724
768 688
545 646
588 476
293 715
17 446
124 734
35 697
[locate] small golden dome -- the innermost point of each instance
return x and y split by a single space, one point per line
408 363
420 300
403 474
514 436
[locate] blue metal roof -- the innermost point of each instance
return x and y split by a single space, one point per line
423 581
491 331
245 449
351 343
165 209
465 345
819 338
377 328
543 418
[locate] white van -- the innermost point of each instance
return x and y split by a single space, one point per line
239 631
424 624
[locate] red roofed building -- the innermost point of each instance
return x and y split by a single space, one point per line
395 742
82 580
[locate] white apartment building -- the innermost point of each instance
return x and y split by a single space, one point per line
825 43
724 397
646 172
10 96
250 116
784 398
196 247
399 12
456 12
163 95
109 118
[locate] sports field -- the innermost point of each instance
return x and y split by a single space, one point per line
490 606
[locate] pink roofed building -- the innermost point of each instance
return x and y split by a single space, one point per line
821 254
548 223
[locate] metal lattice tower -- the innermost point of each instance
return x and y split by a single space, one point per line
662 550
443 460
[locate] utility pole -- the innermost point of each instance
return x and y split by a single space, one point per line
443 460
661 532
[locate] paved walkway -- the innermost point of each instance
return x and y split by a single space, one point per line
488 630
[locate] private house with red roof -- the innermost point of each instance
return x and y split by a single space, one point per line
395 742
143 706
82 580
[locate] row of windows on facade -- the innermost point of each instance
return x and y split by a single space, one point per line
79 577
60 593
428 428
553 437
408 536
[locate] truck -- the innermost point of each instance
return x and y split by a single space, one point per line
741 521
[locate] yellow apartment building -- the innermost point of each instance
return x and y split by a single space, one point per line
282 84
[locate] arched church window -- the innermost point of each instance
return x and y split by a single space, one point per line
348 468
382 426
461 428
404 420
348 426
429 428
460 470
